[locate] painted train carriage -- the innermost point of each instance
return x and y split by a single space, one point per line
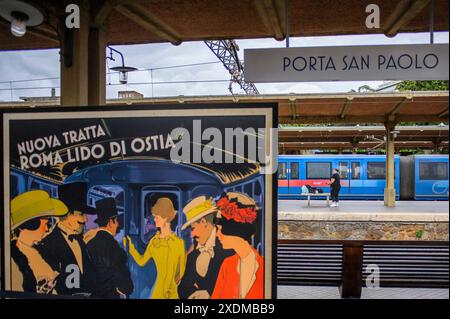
362 176
137 184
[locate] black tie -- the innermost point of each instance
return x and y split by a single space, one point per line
77 237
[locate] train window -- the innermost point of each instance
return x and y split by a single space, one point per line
14 186
248 189
206 190
356 170
282 171
318 170
376 170
294 170
102 191
50 189
433 171
258 188
343 170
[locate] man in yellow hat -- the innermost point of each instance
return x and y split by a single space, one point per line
207 254
30 212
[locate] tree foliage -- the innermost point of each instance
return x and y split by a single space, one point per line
436 85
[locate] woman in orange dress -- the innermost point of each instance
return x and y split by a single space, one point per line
241 276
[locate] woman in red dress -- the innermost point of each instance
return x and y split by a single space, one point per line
241 276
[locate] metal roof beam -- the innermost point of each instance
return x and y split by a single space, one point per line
443 113
140 15
270 13
403 14
391 115
103 11
346 107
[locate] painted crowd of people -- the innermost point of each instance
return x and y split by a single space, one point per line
61 258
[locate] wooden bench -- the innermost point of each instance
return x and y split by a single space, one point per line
343 263
309 195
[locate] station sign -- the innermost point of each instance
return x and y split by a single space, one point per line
348 63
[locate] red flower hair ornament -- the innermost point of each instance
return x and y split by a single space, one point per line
230 211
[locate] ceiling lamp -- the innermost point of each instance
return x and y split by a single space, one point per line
123 69
21 15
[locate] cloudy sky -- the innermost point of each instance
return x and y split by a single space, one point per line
43 64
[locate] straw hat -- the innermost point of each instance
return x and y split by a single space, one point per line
198 208
32 204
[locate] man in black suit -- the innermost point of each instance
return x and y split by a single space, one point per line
64 249
207 254
110 261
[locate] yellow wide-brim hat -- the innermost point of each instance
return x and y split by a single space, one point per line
198 208
32 204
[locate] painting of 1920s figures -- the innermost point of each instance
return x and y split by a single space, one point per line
143 203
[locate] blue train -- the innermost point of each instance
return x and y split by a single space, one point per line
419 177
136 185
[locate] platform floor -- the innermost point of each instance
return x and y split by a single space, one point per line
424 211
313 292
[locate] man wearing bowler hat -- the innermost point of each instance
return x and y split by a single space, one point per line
110 261
64 249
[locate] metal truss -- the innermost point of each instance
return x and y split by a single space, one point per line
226 52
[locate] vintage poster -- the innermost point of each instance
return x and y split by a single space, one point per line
157 202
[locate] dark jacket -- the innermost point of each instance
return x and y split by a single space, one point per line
29 281
192 281
57 253
110 264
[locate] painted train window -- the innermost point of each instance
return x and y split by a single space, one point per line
99 192
50 189
14 189
149 227
433 171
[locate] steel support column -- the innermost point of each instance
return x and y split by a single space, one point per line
389 191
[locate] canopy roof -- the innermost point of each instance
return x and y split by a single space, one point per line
175 21
333 108
293 139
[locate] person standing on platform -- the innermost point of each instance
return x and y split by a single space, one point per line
335 185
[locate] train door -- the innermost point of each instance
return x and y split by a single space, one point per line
344 172
355 180
295 187
144 277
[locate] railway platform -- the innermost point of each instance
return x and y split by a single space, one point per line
418 211
363 220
